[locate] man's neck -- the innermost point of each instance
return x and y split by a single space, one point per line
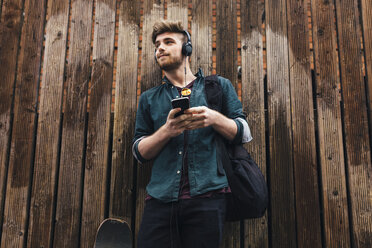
177 76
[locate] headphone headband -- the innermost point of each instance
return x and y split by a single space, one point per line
188 35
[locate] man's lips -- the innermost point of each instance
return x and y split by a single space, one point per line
163 55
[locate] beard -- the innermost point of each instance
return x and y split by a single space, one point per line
171 64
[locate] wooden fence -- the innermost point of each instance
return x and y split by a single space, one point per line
70 75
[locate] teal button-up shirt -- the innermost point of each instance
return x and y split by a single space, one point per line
153 109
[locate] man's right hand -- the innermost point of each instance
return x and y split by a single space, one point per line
174 126
150 146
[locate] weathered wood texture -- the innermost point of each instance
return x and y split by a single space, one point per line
358 149
302 110
253 100
122 192
98 134
65 142
24 126
70 178
153 10
226 66
283 221
201 29
331 152
367 44
42 208
177 10
10 29
226 40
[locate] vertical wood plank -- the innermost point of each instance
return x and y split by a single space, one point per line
226 40
226 66
358 151
122 173
48 136
153 10
98 136
302 109
366 12
10 29
253 100
69 197
335 214
22 141
177 10
283 222
201 29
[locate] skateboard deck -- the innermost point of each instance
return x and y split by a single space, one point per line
113 233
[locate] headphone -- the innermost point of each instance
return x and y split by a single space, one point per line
186 47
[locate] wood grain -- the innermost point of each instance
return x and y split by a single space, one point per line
10 29
98 136
253 100
283 220
70 178
48 129
177 10
358 149
331 152
24 126
226 66
302 109
201 29
153 10
122 192
366 12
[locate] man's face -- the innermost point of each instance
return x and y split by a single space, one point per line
169 50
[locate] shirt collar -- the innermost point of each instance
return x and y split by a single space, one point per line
198 75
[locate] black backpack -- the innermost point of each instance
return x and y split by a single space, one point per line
249 194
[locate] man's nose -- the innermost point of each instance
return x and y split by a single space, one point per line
160 47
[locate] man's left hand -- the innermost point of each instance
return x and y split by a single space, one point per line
201 117
204 117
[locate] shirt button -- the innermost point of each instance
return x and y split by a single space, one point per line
178 172
180 152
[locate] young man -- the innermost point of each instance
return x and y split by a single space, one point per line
186 204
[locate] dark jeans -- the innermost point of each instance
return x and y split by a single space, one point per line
190 223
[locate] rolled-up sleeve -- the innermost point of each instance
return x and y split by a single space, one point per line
246 135
232 108
144 126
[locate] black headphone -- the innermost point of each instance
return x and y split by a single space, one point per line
186 47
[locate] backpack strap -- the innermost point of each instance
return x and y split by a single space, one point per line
213 91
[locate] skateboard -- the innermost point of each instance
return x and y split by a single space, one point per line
113 233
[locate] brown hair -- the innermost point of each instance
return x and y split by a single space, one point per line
167 26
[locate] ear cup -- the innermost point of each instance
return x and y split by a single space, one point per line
187 47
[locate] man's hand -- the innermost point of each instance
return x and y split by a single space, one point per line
205 117
150 146
176 125
201 117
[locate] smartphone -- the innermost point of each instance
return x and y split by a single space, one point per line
182 102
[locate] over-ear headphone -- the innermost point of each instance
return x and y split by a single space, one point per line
186 47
